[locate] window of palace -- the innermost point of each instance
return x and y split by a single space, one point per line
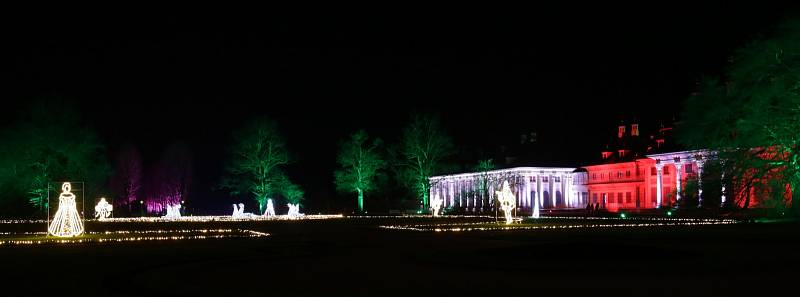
544 179
594 198
619 174
594 176
666 170
628 173
653 194
619 197
653 171
628 197
688 168
557 179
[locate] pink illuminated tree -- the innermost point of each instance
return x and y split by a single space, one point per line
127 178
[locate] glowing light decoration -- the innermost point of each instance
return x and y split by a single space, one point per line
66 222
294 211
536 208
508 202
103 210
238 213
436 204
270 211
173 211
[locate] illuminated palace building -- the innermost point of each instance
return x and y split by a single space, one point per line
635 172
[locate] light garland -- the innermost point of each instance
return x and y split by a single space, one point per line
446 226
204 234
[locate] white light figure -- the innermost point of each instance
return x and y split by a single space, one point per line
173 211
507 201
270 211
67 222
436 205
103 210
239 213
294 211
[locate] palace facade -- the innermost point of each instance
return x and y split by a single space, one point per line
634 172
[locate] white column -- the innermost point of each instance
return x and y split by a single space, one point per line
659 169
527 191
551 186
564 189
539 190
678 169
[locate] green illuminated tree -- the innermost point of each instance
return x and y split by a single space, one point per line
360 162
423 146
289 190
257 154
48 143
484 180
753 118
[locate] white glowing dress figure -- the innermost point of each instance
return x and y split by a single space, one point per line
436 205
294 211
173 211
67 222
507 202
103 210
270 211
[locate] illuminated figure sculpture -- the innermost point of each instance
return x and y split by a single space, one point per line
270 211
294 211
103 210
239 213
507 201
67 222
436 205
173 211
536 208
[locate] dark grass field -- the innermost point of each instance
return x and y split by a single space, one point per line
352 257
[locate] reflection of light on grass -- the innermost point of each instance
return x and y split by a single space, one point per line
130 236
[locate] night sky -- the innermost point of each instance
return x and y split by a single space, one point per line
570 75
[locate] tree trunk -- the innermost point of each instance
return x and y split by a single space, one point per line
360 201
747 198
795 202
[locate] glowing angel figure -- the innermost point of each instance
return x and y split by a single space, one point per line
173 211
103 210
237 211
294 211
270 211
436 205
67 222
507 201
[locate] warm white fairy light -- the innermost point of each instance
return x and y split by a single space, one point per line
143 236
103 209
67 222
508 202
456 227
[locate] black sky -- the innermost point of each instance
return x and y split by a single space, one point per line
569 74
